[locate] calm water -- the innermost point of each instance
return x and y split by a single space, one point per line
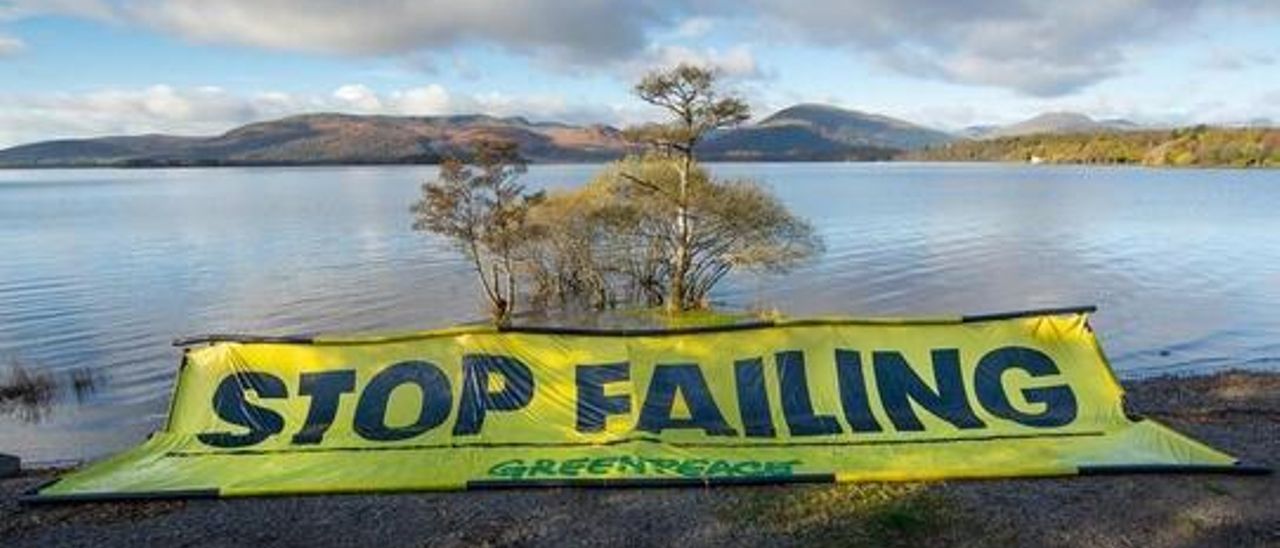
100 269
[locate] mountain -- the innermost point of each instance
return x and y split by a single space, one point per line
801 132
1057 122
811 131
328 139
1121 124
978 132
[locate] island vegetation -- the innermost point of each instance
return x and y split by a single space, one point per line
1200 146
653 229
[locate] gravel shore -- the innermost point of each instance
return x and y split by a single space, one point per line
1235 411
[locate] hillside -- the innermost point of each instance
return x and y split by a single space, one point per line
1049 122
327 139
1197 146
802 132
787 144
822 132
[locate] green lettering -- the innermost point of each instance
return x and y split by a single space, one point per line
508 469
601 466
571 467
546 467
631 464
720 468
663 466
779 468
691 468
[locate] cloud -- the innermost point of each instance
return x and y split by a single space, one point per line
202 110
357 98
213 110
562 30
10 45
1224 60
737 62
694 27
1037 48
424 101
19 9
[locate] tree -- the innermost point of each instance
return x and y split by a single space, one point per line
483 210
696 107
610 241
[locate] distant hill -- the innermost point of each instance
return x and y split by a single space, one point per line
328 139
822 132
978 132
1051 122
802 132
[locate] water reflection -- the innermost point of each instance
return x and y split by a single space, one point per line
25 393
29 393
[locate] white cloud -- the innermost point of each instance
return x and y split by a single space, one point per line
737 62
424 101
18 9
159 108
10 45
564 30
694 27
212 110
358 98
1037 48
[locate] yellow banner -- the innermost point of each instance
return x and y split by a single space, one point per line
799 400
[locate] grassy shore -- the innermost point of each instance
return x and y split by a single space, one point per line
1236 411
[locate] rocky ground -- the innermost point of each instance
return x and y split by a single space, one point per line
1238 412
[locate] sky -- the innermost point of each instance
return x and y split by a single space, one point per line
79 68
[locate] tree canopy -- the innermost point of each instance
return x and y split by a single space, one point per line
482 208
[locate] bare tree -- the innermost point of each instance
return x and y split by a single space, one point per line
482 209
696 106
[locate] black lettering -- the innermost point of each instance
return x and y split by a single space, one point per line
753 400
517 389
899 386
324 388
853 392
687 379
593 405
371 411
230 405
797 406
1058 400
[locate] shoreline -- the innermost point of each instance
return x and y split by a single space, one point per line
904 161
1237 411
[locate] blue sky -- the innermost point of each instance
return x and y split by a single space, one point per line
71 68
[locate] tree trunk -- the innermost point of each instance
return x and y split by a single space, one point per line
501 306
491 292
676 299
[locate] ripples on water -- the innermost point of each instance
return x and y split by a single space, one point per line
100 269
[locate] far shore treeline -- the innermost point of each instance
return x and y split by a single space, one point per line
1201 146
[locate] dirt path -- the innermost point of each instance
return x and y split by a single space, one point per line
1237 412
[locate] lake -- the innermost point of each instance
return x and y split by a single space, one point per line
101 269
